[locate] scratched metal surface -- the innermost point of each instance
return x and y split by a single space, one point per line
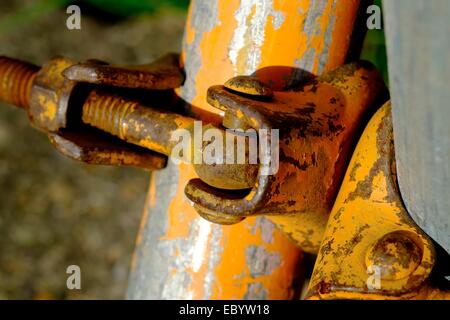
179 255
418 46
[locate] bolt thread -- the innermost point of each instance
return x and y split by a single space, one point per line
16 80
107 112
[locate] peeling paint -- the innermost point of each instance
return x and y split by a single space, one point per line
204 17
249 34
371 228
311 27
255 291
266 227
323 57
261 262
215 251
200 246
148 278
225 274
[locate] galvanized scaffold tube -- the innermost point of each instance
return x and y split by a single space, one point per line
178 254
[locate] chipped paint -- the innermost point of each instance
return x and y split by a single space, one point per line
148 278
266 227
200 246
252 17
203 17
322 120
255 291
323 58
261 262
210 29
369 227
215 251
313 26
172 254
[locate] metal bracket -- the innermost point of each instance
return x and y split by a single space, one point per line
318 125
372 249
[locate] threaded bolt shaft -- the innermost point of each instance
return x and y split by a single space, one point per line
133 122
107 112
103 110
16 79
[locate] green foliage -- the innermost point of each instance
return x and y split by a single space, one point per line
126 8
31 12
374 49
121 8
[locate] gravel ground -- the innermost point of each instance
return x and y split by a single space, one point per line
55 212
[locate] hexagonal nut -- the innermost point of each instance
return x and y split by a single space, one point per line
50 95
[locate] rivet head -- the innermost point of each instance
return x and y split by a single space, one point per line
396 255
249 85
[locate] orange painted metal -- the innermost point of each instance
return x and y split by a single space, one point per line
179 254
318 127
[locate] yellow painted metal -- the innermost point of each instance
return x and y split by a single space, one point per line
372 249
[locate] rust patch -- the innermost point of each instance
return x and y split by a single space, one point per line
315 144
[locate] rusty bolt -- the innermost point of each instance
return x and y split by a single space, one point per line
43 92
396 254
16 79
46 93
153 129
130 121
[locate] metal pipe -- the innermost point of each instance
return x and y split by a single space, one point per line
180 255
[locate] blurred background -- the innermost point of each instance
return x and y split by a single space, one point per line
55 212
